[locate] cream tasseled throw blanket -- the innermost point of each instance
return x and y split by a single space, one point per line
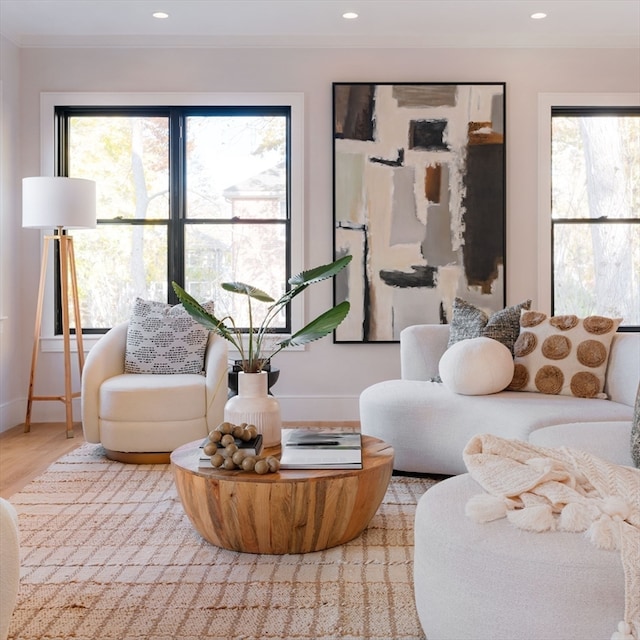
542 489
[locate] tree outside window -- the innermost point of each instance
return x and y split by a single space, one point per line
196 195
595 211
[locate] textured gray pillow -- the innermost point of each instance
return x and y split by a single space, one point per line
164 339
635 432
470 322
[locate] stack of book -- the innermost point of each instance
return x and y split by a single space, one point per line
314 449
251 447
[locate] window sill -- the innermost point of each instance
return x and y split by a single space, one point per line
55 344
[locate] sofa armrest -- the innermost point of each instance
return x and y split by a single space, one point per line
105 360
421 347
217 379
623 369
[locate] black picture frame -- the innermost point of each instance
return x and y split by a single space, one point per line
419 200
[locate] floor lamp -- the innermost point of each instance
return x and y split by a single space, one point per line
58 203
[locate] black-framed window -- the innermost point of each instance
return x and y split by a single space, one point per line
199 195
595 212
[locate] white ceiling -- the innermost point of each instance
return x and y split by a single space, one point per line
318 23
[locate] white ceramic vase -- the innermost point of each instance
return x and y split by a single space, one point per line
254 405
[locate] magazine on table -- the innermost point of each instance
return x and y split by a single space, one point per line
313 449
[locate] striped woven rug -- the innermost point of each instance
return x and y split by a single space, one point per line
107 552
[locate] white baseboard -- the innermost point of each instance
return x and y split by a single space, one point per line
12 413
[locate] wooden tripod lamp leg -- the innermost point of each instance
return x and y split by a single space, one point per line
67 272
66 331
76 304
36 333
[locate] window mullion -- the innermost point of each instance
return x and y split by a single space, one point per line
177 173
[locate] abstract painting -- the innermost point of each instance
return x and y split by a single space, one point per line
419 201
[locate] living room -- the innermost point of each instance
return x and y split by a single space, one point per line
539 63
27 71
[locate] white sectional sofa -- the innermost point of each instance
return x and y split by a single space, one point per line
494 581
428 425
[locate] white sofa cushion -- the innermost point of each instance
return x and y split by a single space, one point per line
141 437
147 397
428 425
478 366
606 439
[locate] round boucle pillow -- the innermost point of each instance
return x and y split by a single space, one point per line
477 366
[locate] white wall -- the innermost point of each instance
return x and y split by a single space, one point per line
324 382
12 356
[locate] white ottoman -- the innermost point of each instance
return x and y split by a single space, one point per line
9 564
497 582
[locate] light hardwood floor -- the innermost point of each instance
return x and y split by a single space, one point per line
24 456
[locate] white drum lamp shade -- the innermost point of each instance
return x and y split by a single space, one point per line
53 202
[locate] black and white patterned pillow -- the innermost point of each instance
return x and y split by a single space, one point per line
635 432
164 339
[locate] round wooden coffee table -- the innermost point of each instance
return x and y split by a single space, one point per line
293 511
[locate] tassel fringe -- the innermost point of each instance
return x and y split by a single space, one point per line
624 632
575 517
535 518
485 508
616 507
605 533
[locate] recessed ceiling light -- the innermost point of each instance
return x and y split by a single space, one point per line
350 15
538 16
161 15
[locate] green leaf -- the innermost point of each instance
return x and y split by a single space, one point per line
201 315
252 292
320 273
316 329
320 327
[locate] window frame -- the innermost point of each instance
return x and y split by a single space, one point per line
547 102
51 341
177 221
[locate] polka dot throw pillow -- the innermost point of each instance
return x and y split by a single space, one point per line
563 355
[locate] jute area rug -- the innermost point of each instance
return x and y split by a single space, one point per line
107 552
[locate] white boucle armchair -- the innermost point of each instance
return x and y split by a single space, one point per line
141 418
9 564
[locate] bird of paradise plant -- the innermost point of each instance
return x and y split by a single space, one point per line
254 356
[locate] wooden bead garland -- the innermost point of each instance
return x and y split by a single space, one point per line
225 454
